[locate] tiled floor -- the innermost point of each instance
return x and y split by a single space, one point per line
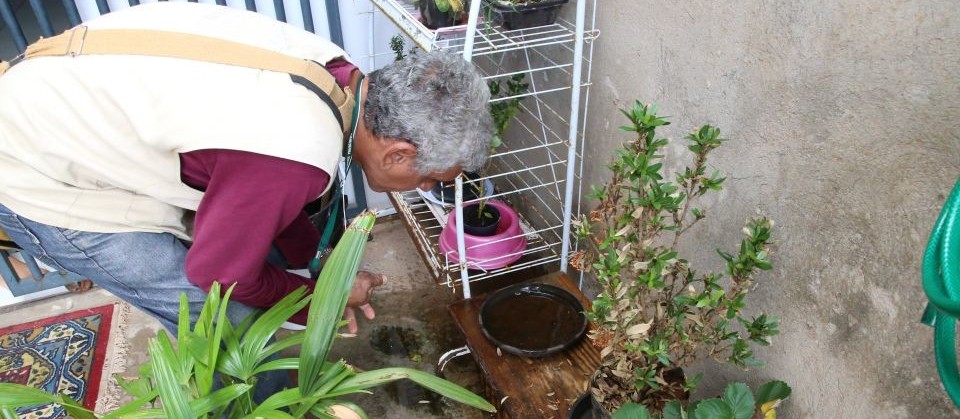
409 302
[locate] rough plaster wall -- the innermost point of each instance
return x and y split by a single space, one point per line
844 127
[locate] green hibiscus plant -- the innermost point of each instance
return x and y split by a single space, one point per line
655 315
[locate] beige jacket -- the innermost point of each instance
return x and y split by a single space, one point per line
91 142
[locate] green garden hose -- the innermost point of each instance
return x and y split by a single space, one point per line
941 283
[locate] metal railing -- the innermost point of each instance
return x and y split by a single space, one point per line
48 26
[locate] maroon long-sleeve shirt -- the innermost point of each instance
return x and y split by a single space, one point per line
250 203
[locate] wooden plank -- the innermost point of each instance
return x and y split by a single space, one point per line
533 387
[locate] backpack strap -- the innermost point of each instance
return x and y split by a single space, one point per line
81 41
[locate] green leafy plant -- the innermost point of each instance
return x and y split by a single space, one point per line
482 211
178 382
398 45
505 104
655 314
737 402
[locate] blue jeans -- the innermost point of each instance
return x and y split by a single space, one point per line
143 269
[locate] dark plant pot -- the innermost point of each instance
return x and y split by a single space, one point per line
479 223
446 191
677 376
587 408
524 15
434 18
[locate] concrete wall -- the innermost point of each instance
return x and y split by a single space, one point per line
844 127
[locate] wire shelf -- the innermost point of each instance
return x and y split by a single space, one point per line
426 226
537 169
489 38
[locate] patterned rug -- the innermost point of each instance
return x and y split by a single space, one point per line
62 354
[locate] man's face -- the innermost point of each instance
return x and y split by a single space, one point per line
390 164
403 176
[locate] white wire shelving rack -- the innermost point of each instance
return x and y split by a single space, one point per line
538 168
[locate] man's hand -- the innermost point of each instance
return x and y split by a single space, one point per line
360 298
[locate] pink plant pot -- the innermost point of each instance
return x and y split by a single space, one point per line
502 248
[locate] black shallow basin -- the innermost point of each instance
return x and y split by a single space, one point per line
532 320
446 191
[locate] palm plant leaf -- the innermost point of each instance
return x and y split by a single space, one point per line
201 407
14 395
206 372
230 361
8 413
165 368
292 340
270 414
333 373
280 399
138 387
367 379
150 413
186 361
330 299
219 398
264 327
129 408
278 364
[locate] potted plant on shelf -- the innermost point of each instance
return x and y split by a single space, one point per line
437 14
492 232
654 314
181 379
480 219
483 218
522 14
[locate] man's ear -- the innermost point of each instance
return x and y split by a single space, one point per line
399 153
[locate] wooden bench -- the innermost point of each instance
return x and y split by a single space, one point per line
522 387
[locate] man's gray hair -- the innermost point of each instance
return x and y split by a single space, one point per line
438 102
